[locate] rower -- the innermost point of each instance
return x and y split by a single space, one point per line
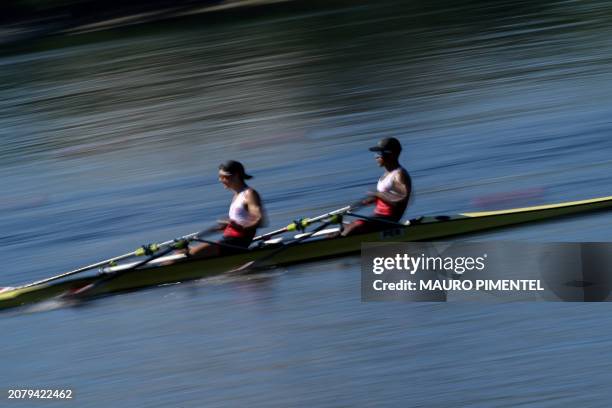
246 214
392 191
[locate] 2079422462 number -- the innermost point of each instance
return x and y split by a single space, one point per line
29 393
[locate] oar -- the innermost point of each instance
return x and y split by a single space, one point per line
301 224
143 250
179 243
251 265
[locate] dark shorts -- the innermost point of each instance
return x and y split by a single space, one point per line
234 245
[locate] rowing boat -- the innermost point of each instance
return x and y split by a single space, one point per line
317 246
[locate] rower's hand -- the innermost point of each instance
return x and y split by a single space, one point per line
222 224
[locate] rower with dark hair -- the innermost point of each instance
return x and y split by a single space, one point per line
392 191
246 214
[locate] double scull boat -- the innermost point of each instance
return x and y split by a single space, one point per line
129 274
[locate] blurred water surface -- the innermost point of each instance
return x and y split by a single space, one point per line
111 140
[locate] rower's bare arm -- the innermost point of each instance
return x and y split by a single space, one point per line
255 208
403 185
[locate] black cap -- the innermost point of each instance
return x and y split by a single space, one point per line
232 167
387 145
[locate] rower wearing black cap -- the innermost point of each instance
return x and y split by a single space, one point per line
246 214
392 191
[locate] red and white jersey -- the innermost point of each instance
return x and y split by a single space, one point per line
385 185
238 215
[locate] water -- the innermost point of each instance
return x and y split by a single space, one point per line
111 140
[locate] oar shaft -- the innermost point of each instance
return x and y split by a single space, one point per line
307 222
82 292
79 270
329 214
110 260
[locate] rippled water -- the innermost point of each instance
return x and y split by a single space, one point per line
110 140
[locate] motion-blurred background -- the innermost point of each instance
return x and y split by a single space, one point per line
115 115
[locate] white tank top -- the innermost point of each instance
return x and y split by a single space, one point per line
385 183
237 212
